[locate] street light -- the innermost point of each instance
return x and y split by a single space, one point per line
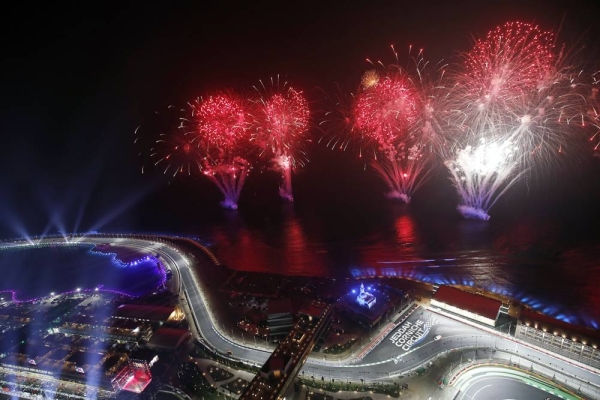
330 371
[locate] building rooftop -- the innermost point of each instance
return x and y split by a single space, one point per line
280 306
314 309
168 338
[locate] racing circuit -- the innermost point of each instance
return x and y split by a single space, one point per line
497 361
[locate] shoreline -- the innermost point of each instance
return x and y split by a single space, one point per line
214 260
122 257
423 291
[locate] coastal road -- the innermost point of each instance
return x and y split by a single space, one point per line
392 357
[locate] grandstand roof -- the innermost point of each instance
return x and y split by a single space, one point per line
149 313
475 303
552 325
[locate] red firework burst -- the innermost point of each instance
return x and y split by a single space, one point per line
286 117
513 58
222 120
386 109
283 123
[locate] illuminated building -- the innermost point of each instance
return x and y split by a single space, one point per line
365 298
134 377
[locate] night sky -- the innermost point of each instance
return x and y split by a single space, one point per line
78 79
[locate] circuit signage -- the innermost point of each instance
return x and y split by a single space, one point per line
410 333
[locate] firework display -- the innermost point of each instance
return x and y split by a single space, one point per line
282 121
209 139
393 118
221 120
387 107
482 173
514 91
514 102
222 124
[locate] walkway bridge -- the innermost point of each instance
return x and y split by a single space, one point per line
280 369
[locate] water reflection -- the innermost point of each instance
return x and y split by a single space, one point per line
529 259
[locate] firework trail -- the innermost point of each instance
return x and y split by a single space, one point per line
221 127
593 110
516 91
394 120
336 121
282 122
167 146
